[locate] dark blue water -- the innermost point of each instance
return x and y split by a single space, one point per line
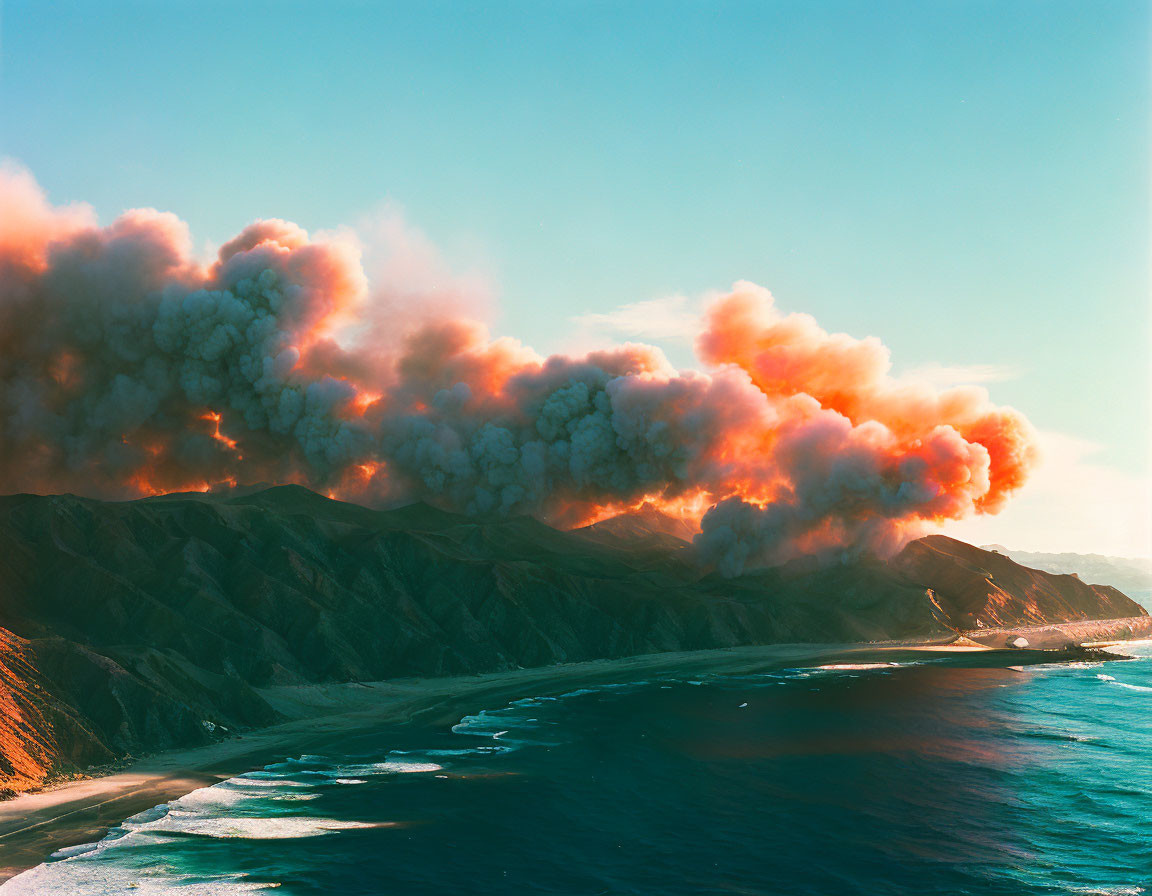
920 779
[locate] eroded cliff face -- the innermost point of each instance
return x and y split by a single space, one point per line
29 743
131 627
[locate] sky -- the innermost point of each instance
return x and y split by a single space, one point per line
967 181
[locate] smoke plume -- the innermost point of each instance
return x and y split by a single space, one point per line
129 367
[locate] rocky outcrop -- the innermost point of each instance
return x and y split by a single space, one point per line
136 626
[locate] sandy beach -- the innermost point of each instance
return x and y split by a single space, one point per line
33 826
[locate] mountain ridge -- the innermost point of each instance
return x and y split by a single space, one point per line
1132 575
136 626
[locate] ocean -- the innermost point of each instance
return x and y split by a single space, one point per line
925 778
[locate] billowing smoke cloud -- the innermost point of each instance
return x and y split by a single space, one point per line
859 460
129 367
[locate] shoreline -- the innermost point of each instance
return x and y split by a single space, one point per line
35 825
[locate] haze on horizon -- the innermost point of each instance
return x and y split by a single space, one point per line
584 181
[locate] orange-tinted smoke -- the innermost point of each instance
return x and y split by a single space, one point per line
880 457
128 366
790 355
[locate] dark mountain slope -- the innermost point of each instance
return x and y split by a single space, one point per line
645 526
143 625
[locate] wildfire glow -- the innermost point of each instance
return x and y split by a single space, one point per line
792 439
215 419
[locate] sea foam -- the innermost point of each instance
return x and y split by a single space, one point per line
228 810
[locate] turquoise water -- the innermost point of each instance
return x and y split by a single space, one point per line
927 778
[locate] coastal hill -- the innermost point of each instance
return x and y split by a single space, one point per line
1132 575
137 626
978 588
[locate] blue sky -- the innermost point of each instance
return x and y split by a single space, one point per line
967 181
